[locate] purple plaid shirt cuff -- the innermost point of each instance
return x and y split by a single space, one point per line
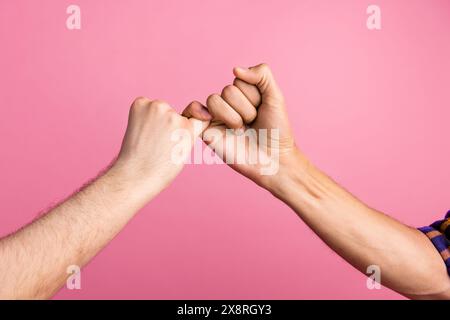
439 234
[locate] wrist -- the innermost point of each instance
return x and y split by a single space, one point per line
294 172
131 178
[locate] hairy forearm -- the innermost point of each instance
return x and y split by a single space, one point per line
34 260
408 262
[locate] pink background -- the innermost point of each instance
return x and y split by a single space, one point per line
371 108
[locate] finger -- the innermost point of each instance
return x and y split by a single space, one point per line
222 111
198 117
196 110
250 91
239 102
260 76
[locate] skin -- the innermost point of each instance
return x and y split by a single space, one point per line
34 260
361 235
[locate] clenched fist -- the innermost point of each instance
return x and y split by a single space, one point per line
250 130
147 153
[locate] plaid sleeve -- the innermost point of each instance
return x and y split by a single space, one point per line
439 234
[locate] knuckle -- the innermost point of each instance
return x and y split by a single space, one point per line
238 83
235 122
173 118
264 67
229 91
140 102
264 70
239 123
264 74
160 105
250 115
212 99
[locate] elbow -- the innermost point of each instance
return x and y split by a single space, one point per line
432 284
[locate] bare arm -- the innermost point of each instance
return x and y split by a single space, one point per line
408 261
34 260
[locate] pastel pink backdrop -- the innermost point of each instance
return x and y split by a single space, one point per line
371 108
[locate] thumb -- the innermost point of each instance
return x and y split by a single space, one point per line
260 76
